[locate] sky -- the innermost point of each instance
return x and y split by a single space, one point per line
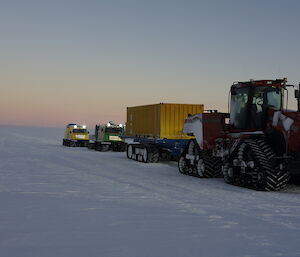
86 61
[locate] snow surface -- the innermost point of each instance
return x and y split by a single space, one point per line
68 202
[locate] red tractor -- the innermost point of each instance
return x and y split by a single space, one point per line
259 148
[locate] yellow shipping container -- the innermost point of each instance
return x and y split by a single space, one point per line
163 120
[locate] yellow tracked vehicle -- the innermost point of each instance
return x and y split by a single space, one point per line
76 135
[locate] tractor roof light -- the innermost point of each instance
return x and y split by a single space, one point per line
84 126
108 124
75 126
121 125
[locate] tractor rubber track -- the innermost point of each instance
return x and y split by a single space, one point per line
275 179
203 164
257 167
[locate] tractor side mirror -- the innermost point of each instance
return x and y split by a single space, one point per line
297 94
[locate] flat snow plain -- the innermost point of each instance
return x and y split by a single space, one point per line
74 202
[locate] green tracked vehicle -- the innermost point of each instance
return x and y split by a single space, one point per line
108 137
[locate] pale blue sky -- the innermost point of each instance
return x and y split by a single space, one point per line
65 61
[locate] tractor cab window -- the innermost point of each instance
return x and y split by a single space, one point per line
256 113
274 98
267 97
113 130
249 106
79 131
238 107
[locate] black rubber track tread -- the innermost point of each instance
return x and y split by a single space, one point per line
212 164
154 156
273 178
276 179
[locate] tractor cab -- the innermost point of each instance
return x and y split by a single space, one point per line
108 137
76 135
109 132
250 102
114 129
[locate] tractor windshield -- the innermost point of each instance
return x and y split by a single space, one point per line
249 106
79 131
238 107
274 98
113 130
